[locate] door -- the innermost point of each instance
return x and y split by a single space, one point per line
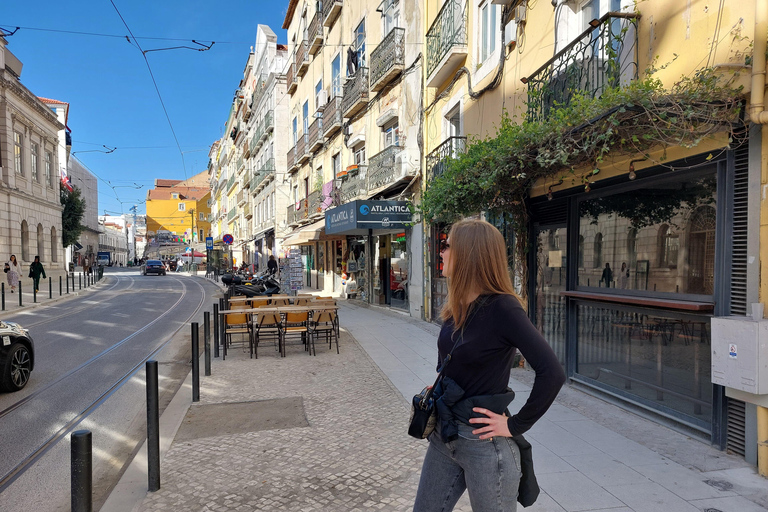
550 272
336 77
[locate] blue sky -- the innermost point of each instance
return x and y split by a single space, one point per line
112 99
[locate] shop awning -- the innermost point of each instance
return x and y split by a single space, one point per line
306 235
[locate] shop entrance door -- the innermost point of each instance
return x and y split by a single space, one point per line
550 272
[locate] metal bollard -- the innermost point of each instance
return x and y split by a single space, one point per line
34 293
195 363
207 341
60 287
67 284
223 330
2 292
215 328
81 463
79 281
20 301
153 428
50 287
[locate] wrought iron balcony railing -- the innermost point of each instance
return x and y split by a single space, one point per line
603 56
355 93
316 134
240 163
332 118
387 59
232 213
382 169
292 81
267 125
449 148
302 148
315 203
354 187
298 212
302 58
241 197
231 183
449 30
263 175
247 211
331 9
292 164
316 31
258 90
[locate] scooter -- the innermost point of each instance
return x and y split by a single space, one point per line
258 286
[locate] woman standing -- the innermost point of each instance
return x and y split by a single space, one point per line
35 271
483 326
14 272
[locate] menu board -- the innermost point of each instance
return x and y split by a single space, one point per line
295 270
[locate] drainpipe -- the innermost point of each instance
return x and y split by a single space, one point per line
758 115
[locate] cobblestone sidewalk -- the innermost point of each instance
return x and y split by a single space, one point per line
355 454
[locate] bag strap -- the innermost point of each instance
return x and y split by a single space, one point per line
425 399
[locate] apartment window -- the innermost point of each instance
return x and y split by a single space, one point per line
391 132
319 103
358 46
182 207
359 154
336 163
390 15
336 77
35 152
202 216
489 14
295 128
305 116
17 160
174 195
48 168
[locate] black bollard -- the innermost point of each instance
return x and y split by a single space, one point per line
207 341
215 328
60 287
50 287
195 363
67 284
20 301
34 292
81 463
153 428
79 281
2 292
223 329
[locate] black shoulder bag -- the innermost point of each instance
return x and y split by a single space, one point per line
423 410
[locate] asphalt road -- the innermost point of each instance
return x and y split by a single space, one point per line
89 368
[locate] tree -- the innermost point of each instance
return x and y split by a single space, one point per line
72 216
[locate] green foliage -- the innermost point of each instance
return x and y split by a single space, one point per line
72 215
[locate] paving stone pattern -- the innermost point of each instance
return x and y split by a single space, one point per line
354 456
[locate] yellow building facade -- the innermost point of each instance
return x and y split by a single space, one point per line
631 259
179 208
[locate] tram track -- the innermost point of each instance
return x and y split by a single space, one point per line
31 459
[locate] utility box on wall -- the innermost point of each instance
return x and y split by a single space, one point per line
740 354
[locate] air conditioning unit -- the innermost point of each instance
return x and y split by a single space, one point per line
322 99
510 34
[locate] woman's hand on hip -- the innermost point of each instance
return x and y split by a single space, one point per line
495 424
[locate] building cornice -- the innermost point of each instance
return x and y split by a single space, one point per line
30 99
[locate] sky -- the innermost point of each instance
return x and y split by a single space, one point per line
111 95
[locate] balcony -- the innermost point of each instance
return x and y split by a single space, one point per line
436 160
291 79
231 183
355 93
241 198
315 204
332 118
291 162
383 168
259 90
388 59
355 186
240 163
247 213
302 149
603 56
302 58
254 141
232 213
331 10
446 41
316 139
297 212
267 125
263 176
316 33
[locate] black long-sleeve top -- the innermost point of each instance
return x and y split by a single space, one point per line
481 363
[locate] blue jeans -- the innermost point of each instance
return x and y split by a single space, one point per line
488 469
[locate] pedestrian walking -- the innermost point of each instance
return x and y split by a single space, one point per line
35 271
623 276
484 324
272 265
14 272
607 276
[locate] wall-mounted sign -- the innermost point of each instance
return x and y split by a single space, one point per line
228 239
357 217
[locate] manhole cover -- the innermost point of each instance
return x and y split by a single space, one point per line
721 485
210 420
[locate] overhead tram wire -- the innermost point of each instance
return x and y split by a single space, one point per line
157 89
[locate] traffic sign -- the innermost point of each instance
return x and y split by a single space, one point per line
209 242
228 239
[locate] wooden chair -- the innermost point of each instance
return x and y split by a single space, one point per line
324 323
260 301
239 305
268 325
236 323
296 325
279 302
301 302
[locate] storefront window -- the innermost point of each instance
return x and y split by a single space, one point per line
357 264
398 271
660 357
551 264
660 240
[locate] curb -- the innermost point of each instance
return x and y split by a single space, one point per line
64 297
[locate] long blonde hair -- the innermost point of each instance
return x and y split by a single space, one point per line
478 263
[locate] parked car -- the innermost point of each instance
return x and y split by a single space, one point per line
17 356
154 267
